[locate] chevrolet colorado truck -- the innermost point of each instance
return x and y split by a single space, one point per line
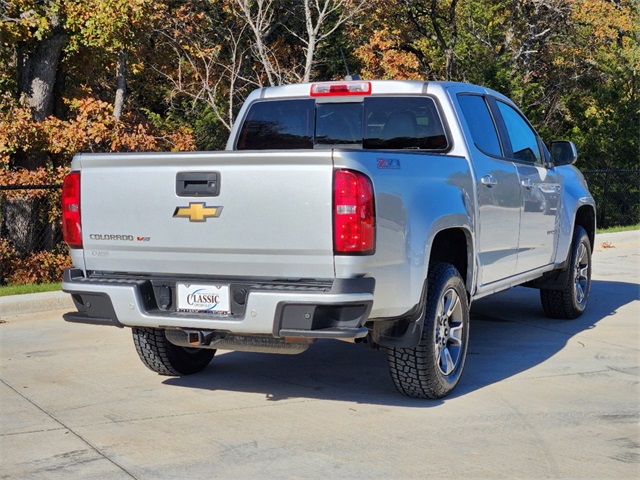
366 211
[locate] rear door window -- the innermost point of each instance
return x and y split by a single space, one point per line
480 122
403 123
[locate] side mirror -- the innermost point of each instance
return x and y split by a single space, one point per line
563 153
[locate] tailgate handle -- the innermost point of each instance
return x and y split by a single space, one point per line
198 184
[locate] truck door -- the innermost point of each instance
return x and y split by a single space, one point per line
499 192
539 188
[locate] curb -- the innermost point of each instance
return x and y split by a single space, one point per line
34 302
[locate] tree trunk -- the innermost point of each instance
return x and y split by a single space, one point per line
37 73
121 83
309 58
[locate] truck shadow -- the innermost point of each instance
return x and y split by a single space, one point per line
509 335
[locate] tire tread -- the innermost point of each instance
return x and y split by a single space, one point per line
561 304
164 358
411 369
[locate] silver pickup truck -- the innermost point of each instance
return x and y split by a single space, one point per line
366 211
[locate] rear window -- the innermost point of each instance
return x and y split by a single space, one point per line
278 125
375 123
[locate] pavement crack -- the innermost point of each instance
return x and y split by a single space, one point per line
625 370
203 412
71 430
27 432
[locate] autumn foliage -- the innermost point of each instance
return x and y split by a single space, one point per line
37 267
90 128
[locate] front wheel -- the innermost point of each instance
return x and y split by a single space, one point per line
571 301
165 358
433 368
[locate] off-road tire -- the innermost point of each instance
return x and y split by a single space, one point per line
165 358
425 371
571 301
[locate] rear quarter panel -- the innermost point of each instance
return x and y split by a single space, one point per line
422 195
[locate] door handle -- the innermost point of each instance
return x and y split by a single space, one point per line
198 184
488 180
527 183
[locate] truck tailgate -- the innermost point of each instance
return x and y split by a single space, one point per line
271 217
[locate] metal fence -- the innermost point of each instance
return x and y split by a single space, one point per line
617 195
29 217
30 214
31 245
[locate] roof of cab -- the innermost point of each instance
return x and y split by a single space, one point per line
384 87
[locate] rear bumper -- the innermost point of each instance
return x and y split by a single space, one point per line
332 309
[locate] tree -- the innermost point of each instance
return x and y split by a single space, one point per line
226 49
571 65
208 60
56 54
111 29
37 33
437 21
602 105
322 18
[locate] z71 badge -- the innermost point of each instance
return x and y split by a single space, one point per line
197 212
389 163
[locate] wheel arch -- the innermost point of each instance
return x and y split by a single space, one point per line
557 279
451 245
586 218
455 246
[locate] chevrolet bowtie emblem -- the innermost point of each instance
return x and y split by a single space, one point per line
197 212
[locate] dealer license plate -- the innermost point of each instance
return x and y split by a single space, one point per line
203 298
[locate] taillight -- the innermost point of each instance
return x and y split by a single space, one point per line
354 222
339 89
71 223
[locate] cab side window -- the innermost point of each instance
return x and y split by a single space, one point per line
480 122
396 122
524 141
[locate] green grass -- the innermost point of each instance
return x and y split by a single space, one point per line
35 288
628 228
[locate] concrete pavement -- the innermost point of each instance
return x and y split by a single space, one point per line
538 399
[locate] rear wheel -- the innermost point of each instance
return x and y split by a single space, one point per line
571 301
165 358
433 368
